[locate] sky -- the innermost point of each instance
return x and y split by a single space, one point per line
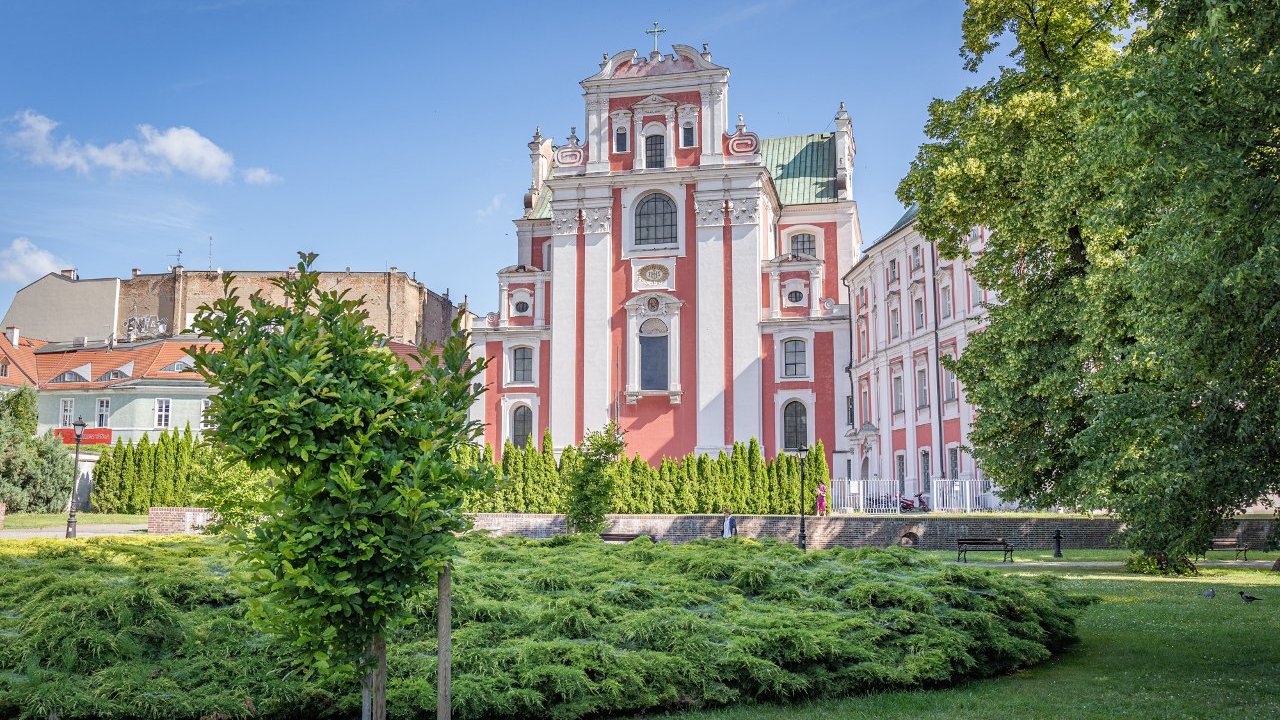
391 132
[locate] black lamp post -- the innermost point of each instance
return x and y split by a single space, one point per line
1057 543
78 426
802 451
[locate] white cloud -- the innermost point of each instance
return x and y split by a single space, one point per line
260 176
176 149
495 204
23 262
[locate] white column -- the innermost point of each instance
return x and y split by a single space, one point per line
597 134
564 324
671 138
597 305
815 292
539 302
637 143
747 370
504 296
709 319
775 294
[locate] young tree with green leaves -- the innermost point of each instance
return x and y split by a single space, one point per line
591 481
367 492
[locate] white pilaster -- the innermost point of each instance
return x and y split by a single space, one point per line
539 303
747 370
710 385
564 324
504 297
597 305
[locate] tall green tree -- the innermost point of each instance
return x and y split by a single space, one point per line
591 482
1130 363
367 494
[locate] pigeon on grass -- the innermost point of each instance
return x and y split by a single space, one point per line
1248 598
1209 593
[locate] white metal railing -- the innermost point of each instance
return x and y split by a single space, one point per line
874 495
883 496
962 494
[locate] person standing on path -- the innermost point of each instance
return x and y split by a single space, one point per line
730 527
821 499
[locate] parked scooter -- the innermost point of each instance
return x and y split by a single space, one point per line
917 505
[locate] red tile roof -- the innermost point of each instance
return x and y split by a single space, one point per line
20 361
149 358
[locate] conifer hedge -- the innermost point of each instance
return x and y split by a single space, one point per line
532 481
134 477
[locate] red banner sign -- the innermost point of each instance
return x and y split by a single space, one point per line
91 436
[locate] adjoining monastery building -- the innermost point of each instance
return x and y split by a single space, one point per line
678 274
910 308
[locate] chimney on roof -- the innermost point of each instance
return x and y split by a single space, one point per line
13 334
137 272
81 342
68 272
393 270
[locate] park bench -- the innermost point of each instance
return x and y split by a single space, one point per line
623 537
964 545
1240 547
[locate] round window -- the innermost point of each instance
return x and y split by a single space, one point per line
795 296
522 307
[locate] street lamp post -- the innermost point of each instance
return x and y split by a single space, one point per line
802 451
78 426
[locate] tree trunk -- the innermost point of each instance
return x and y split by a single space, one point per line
444 645
373 705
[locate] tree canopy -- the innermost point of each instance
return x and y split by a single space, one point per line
1126 163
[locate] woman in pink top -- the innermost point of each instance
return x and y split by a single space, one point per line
822 498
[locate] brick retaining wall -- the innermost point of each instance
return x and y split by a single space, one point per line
928 532
924 531
176 520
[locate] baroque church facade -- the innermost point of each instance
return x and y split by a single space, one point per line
677 274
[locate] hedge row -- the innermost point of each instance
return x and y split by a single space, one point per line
531 480
132 478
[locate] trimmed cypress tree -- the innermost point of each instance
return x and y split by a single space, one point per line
556 492
143 470
687 472
106 479
757 479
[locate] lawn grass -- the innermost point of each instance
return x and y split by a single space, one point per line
32 521
1153 648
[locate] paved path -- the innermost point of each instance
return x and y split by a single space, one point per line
81 531
1263 564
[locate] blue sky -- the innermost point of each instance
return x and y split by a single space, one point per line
390 132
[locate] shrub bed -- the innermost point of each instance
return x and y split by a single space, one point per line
564 628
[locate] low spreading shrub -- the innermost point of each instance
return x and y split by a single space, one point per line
132 628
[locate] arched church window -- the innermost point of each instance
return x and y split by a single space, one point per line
804 244
655 151
620 139
795 426
686 135
653 355
656 220
521 425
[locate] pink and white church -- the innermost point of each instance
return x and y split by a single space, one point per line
678 274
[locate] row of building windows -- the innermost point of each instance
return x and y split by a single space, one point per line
655 154
102 412
950 390
71 376
654 358
795 425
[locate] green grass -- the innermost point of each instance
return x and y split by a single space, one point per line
566 628
1152 648
32 521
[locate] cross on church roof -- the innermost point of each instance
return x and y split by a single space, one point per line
655 31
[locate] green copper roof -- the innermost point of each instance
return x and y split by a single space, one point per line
803 167
542 208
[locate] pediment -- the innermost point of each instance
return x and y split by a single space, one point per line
654 102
